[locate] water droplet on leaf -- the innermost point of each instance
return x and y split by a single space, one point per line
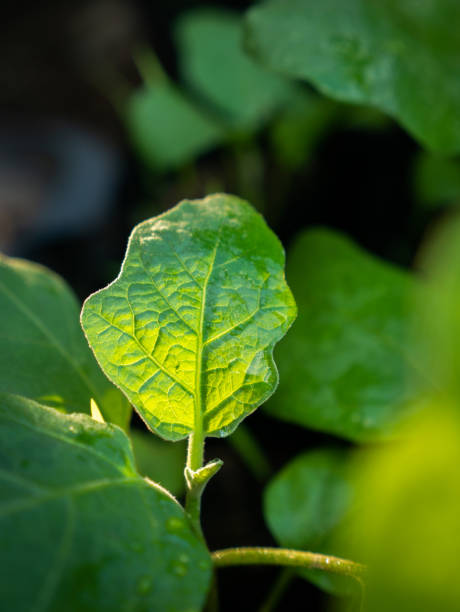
174 524
179 568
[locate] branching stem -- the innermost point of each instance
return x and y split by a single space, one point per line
287 558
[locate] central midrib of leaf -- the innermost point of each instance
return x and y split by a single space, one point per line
186 302
198 397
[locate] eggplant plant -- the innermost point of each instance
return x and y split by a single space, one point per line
186 335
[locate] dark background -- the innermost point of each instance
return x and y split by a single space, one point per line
71 189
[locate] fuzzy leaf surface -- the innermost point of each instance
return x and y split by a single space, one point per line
43 352
349 367
187 330
399 56
80 529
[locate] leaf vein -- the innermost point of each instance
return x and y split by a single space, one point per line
164 298
51 582
143 349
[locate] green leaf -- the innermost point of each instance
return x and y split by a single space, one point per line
401 57
160 461
407 528
44 355
167 129
436 181
296 132
214 64
306 503
80 529
437 313
348 368
187 330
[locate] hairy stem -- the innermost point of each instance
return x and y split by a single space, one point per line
195 451
193 496
287 558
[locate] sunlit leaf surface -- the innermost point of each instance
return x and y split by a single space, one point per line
348 367
400 56
187 330
80 529
43 352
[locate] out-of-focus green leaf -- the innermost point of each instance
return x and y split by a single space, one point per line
214 64
436 181
187 329
348 367
308 118
297 131
306 503
246 445
160 461
400 56
80 529
167 129
43 352
407 529
438 313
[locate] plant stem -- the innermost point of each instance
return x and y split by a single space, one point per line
250 451
212 603
193 496
287 558
149 66
276 592
195 451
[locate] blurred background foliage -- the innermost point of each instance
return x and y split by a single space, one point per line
111 111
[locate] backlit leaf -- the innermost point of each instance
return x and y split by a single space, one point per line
400 56
187 330
80 529
43 352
